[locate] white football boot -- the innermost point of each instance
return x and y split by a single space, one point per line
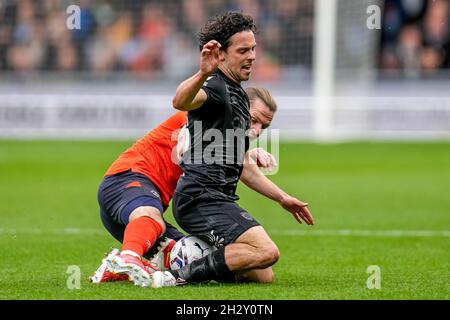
165 279
102 274
131 265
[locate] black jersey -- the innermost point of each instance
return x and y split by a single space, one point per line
218 137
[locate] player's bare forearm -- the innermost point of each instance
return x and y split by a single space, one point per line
189 95
253 178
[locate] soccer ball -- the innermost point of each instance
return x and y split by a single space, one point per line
188 249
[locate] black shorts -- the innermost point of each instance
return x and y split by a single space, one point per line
209 215
120 194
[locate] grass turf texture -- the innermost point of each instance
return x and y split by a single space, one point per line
49 186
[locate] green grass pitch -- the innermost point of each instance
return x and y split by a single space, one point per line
383 204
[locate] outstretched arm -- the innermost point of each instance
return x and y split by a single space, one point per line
189 95
255 180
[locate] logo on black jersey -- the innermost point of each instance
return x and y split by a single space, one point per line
246 216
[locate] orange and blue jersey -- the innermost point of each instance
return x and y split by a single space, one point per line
152 157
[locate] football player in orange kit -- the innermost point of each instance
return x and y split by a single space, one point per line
138 187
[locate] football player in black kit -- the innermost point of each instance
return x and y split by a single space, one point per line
219 117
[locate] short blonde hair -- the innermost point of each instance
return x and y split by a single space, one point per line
264 95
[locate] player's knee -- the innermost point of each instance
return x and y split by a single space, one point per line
274 254
269 255
151 213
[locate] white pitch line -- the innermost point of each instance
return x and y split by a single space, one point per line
275 232
62 231
362 233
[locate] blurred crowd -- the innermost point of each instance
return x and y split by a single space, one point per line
415 37
148 38
157 39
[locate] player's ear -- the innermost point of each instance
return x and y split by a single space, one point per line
222 55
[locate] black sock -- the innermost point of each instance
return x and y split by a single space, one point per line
211 267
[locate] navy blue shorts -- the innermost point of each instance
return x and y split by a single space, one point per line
209 215
120 194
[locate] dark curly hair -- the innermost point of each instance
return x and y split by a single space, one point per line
223 26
